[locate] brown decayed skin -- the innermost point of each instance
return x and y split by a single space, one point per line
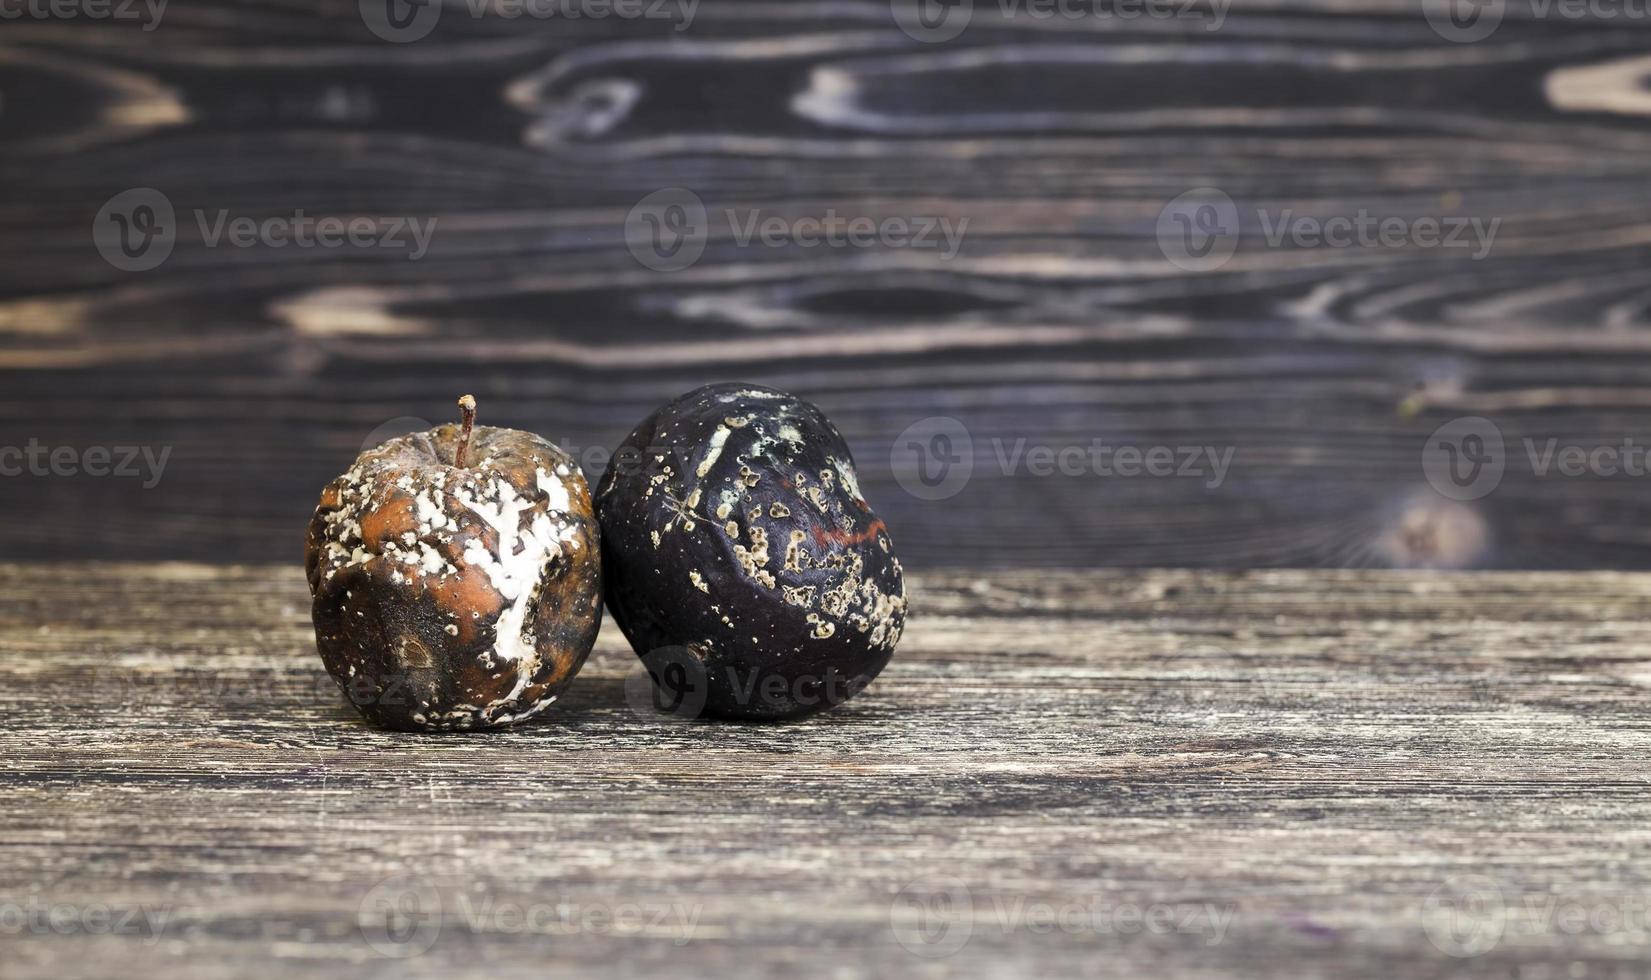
450 598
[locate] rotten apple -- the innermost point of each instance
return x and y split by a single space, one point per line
742 560
456 577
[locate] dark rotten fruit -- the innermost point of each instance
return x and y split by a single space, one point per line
738 552
456 577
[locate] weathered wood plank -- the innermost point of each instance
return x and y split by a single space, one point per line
1309 770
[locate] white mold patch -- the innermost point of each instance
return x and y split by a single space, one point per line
713 450
532 530
847 477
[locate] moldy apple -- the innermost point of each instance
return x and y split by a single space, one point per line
733 527
456 577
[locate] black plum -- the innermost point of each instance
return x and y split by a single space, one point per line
741 559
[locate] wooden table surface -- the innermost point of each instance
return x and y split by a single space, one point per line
1134 774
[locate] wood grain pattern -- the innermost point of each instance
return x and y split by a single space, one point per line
1059 322
1329 764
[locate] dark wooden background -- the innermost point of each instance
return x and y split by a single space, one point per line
1329 754
1059 322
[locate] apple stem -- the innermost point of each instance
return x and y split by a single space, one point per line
467 411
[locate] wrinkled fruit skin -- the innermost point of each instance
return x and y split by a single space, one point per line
736 543
446 598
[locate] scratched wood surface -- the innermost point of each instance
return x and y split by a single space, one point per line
1166 774
1060 321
